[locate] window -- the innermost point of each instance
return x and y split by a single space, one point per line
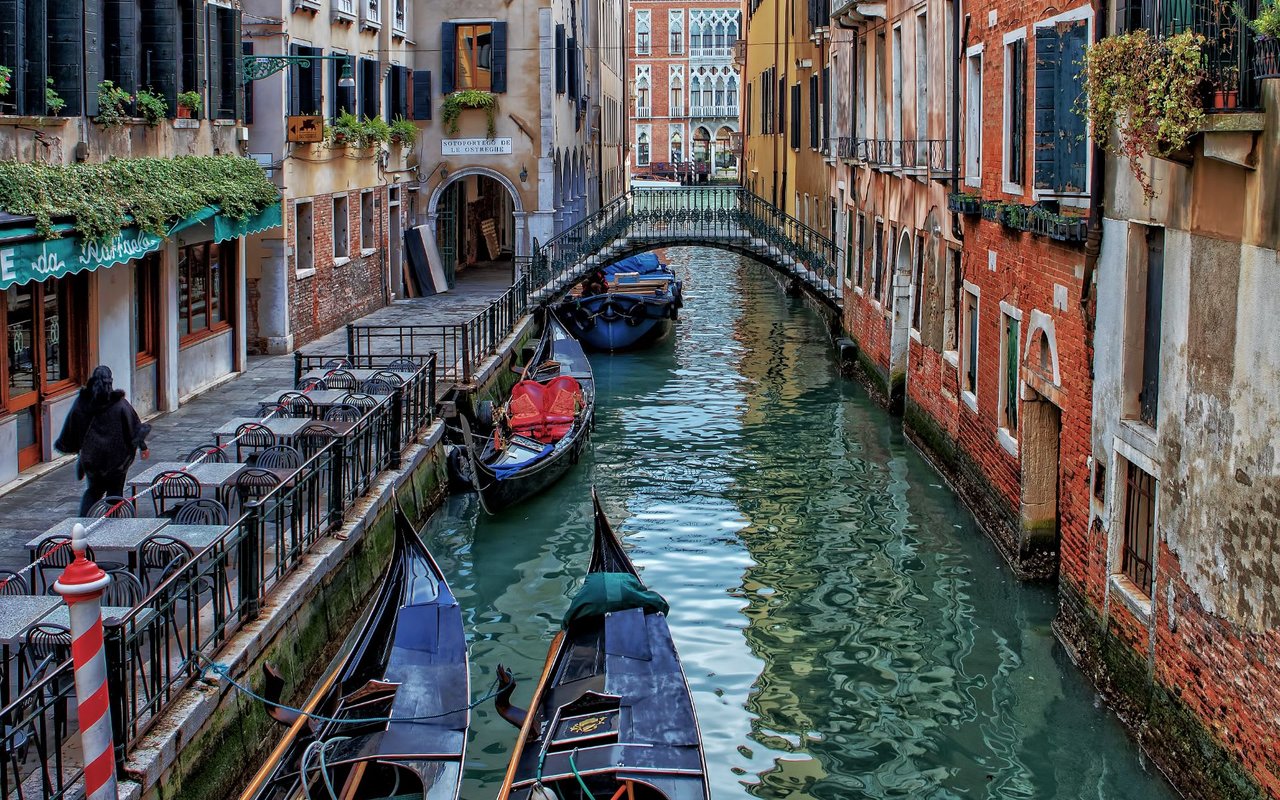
642 149
815 127
398 78
368 238
225 76
862 249
677 143
345 7
305 93
340 99
877 259
146 308
675 29
917 282
561 59
1009 372
1143 311
1061 138
898 98
1015 114
886 291
675 105
795 117
473 57
951 313
882 90
643 100
922 76
949 70
973 120
849 255
370 75
970 375
372 11
341 227
1139 528
203 289
400 23
642 33
303 236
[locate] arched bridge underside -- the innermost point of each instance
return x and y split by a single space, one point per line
725 218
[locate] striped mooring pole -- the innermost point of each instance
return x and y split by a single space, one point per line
81 586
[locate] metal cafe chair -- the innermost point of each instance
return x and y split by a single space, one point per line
308 384
124 591
364 402
343 412
312 438
403 365
251 438
341 379
46 646
377 385
295 404
255 483
54 554
388 376
11 583
337 363
208 454
157 552
114 508
201 511
282 456
171 489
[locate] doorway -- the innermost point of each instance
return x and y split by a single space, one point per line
898 342
475 227
1040 425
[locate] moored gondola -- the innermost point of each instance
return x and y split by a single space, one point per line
628 304
542 429
391 719
611 717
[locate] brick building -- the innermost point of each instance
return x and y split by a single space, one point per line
686 89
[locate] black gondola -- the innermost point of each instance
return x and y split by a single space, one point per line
542 428
611 717
409 666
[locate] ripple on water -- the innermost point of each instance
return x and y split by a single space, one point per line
845 631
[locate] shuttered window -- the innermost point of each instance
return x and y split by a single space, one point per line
305 93
572 53
814 128
340 99
422 101
369 93
795 117
473 56
782 106
1016 103
1061 146
398 92
246 49
561 77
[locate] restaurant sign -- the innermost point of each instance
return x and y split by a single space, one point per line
475 147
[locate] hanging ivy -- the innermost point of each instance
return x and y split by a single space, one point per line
469 98
152 193
1148 91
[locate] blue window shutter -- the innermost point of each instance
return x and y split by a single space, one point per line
1072 144
571 48
1046 139
498 63
560 59
448 51
422 94
295 81
317 83
246 49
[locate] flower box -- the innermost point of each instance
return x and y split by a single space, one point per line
991 211
1266 58
962 203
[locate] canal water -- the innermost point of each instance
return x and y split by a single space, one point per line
845 628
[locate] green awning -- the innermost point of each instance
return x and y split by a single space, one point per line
31 259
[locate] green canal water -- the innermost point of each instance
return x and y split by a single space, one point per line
845 628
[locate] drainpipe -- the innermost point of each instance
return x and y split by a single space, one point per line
1093 245
961 42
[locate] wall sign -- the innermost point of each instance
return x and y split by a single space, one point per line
475 147
305 129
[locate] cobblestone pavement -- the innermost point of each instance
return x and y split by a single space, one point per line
36 506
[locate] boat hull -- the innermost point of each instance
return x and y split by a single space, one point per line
612 323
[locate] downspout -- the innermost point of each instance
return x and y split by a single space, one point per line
1097 194
961 42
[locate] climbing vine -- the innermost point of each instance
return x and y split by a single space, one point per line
1149 91
469 98
152 193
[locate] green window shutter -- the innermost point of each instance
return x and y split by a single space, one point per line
422 94
1046 138
498 63
448 51
158 62
1017 111
1072 144
214 73
295 81
66 28
560 59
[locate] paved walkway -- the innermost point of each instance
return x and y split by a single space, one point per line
33 508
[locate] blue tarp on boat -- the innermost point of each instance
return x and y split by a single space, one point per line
642 263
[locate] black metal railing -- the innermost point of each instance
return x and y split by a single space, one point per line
1231 81
933 155
35 728
415 398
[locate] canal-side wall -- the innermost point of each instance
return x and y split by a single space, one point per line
210 744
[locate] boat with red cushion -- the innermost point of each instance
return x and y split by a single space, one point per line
539 433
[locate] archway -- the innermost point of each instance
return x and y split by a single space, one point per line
726 159
478 222
898 343
701 152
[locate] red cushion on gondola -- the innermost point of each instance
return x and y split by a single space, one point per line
544 412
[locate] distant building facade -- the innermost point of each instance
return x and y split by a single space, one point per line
686 89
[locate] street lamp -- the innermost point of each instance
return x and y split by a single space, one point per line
255 68
346 80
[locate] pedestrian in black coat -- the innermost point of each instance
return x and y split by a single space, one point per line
105 430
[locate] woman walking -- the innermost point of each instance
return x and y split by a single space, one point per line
105 430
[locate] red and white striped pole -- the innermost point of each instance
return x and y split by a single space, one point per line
81 587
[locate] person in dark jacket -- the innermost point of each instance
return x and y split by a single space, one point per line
105 430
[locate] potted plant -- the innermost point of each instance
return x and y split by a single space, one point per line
346 130
991 210
1144 96
376 131
1013 215
52 100
152 107
1266 30
403 132
6 81
189 105
111 105
469 98
964 203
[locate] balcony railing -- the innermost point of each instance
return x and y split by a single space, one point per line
1228 50
716 51
926 155
724 110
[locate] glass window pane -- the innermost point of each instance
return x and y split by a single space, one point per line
215 284
20 339
26 420
57 328
184 292
199 287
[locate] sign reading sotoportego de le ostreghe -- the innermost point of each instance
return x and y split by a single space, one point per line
475 147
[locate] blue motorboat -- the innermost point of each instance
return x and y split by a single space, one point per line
628 304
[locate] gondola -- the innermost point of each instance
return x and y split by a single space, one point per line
629 304
542 429
611 717
409 666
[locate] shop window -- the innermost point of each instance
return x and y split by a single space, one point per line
1139 528
303 236
368 240
341 226
146 308
203 290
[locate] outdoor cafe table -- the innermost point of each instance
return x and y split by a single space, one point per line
359 373
218 477
17 613
109 534
320 397
286 429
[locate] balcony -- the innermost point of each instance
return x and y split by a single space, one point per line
643 112
927 157
713 111
722 50
856 12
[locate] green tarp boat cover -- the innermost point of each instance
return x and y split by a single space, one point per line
612 591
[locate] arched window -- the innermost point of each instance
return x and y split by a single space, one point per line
695 34
642 149
642 33
676 106
731 97
676 28
719 96
702 145
642 97
677 146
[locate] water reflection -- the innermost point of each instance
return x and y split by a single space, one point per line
845 630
